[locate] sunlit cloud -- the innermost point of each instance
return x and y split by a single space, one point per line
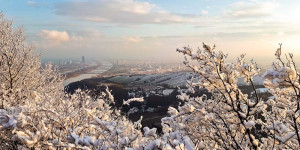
251 9
133 39
204 12
37 4
119 11
31 2
55 36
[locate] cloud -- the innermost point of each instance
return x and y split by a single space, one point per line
55 36
280 33
37 4
119 11
251 16
133 39
59 39
204 12
86 33
31 2
251 9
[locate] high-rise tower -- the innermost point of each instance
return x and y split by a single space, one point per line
82 60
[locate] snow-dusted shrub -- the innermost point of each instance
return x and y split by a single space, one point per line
72 121
20 69
231 119
35 112
283 121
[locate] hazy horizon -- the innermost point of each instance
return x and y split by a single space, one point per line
153 29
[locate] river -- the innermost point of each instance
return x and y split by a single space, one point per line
105 65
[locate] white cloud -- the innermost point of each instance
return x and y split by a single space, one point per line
251 9
134 7
133 39
204 12
88 33
280 33
119 11
31 2
55 36
37 4
251 17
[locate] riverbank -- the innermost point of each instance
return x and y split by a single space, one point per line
92 72
82 71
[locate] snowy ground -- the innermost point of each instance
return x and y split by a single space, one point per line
173 79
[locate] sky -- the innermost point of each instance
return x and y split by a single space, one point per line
153 29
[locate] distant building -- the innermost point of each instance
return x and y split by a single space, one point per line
69 62
82 60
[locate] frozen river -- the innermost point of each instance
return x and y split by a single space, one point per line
105 65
